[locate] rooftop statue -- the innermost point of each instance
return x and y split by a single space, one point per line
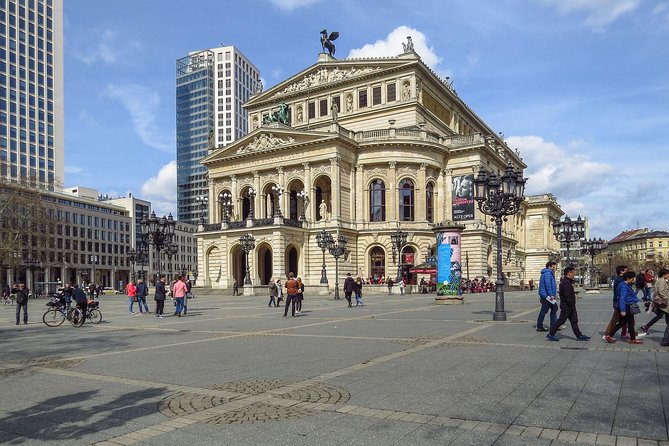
408 47
326 41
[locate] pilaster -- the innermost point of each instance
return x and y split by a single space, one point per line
391 198
419 195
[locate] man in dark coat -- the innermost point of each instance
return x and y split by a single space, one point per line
80 298
142 291
567 307
349 287
22 293
159 297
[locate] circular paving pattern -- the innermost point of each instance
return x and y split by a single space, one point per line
181 403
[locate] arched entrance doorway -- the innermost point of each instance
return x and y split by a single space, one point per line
292 260
265 263
238 264
377 264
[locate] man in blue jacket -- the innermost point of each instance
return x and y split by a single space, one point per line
547 290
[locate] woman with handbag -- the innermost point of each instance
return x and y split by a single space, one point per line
628 305
659 300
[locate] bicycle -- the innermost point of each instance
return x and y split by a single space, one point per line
57 313
93 313
7 300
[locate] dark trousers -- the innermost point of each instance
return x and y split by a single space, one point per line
566 313
659 314
629 321
25 312
615 323
272 300
291 300
298 305
160 307
141 300
347 296
545 307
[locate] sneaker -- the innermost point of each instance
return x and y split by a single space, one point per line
644 330
561 327
542 329
583 338
131 312
642 334
636 341
608 339
551 337
160 317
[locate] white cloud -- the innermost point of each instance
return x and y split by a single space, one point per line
161 190
567 174
73 169
143 103
289 5
599 13
392 46
99 47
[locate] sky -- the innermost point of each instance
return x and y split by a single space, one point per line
580 87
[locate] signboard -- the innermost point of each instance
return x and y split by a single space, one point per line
463 197
448 263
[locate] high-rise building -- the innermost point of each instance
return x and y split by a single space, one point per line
31 91
211 87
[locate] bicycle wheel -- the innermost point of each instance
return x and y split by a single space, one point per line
76 317
95 316
53 318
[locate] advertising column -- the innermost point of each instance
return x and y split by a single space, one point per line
449 261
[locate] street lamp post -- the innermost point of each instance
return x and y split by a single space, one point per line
610 257
305 199
499 197
171 250
133 257
159 232
248 243
226 203
337 249
568 231
203 200
32 264
593 247
251 194
278 190
324 240
399 240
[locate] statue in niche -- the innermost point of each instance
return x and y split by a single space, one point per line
349 103
334 109
323 210
406 91
408 47
300 115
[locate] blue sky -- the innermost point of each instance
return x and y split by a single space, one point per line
580 87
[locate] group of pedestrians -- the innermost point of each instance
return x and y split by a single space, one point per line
625 303
180 290
354 286
294 294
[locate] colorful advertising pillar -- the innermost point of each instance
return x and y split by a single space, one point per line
449 261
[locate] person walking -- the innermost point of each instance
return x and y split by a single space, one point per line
567 307
141 291
401 285
627 299
22 293
291 293
300 296
159 296
349 288
649 278
273 293
131 292
279 290
179 291
616 322
390 285
660 299
547 295
358 292
189 294
235 288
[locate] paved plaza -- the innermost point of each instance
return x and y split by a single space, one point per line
398 371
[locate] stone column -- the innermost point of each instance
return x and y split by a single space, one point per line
307 188
419 195
258 198
236 208
335 187
449 261
286 192
391 191
360 193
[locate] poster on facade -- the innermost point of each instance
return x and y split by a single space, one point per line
448 263
463 197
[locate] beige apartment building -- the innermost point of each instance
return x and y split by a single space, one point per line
362 148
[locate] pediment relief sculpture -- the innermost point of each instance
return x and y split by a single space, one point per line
264 142
326 76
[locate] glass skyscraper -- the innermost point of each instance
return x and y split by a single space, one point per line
31 92
211 86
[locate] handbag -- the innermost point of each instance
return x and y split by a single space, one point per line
189 295
634 308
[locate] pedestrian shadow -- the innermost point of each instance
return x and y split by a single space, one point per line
71 417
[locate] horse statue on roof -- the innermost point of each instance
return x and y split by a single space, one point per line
326 41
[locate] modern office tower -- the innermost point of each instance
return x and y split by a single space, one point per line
211 87
31 91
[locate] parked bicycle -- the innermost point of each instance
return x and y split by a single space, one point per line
7 300
58 312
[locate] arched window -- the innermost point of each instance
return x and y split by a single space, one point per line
377 201
377 263
429 202
406 200
293 205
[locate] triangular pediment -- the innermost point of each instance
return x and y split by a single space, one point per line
268 138
328 73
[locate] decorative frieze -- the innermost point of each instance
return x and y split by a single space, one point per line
325 76
265 142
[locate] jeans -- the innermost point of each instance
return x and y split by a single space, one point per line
659 314
290 300
142 300
25 312
358 298
272 300
180 305
545 306
131 303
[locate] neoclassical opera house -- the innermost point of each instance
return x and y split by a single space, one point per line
361 148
